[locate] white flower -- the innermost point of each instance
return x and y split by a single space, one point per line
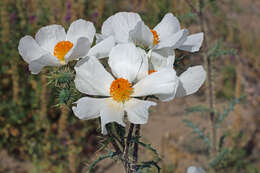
119 25
194 169
119 94
53 47
162 39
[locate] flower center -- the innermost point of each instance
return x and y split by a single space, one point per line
120 90
151 71
155 37
61 49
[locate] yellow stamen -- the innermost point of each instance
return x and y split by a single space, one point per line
61 49
155 37
151 71
120 90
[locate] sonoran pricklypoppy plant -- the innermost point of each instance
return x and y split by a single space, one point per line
122 93
52 46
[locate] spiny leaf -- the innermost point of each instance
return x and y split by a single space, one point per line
232 104
148 164
198 131
219 158
109 155
198 108
147 146
217 50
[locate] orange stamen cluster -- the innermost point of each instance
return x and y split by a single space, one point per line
120 90
151 71
61 49
155 37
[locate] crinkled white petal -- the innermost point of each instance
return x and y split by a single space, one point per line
194 169
79 50
168 26
29 49
193 42
88 108
92 78
141 35
111 112
100 37
143 71
137 110
103 48
191 80
162 58
162 82
36 65
81 28
119 25
48 37
125 61
173 40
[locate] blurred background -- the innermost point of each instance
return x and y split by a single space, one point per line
38 136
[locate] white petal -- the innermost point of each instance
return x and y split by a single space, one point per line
103 48
125 61
143 71
162 82
162 58
79 50
111 112
88 108
193 42
168 26
141 35
191 80
36 65
81 28
100 37
119 25
137 110
48 36
173 40
29 49
193 169
92 78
